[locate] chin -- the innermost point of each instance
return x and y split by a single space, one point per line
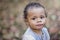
38 28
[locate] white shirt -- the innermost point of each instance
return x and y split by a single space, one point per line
30 35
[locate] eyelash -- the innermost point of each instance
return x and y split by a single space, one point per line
35 18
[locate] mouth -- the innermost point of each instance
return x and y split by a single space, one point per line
39 25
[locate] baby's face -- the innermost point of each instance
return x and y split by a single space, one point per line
36 18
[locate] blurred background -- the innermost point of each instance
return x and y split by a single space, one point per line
12 25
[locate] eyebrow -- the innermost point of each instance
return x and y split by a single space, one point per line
34 16
43 15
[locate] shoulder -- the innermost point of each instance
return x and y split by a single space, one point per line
44 28
28 31
28 37
45 31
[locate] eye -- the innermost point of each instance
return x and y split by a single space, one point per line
33 18
42 17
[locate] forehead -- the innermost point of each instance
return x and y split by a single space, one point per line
36 12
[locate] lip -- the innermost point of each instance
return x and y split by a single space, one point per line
39 25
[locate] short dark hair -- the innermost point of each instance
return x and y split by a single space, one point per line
30 5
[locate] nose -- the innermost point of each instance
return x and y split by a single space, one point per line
39 20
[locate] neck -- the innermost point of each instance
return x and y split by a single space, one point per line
39 32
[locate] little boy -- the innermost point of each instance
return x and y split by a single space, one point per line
35 17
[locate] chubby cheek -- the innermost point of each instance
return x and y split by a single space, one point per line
32 23
43 21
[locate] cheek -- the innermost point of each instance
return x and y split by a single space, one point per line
32 22
44 21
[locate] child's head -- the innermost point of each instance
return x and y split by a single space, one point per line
35 15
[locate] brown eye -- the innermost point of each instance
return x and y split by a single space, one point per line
42 17
33 18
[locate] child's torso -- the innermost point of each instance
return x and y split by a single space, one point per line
44 36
